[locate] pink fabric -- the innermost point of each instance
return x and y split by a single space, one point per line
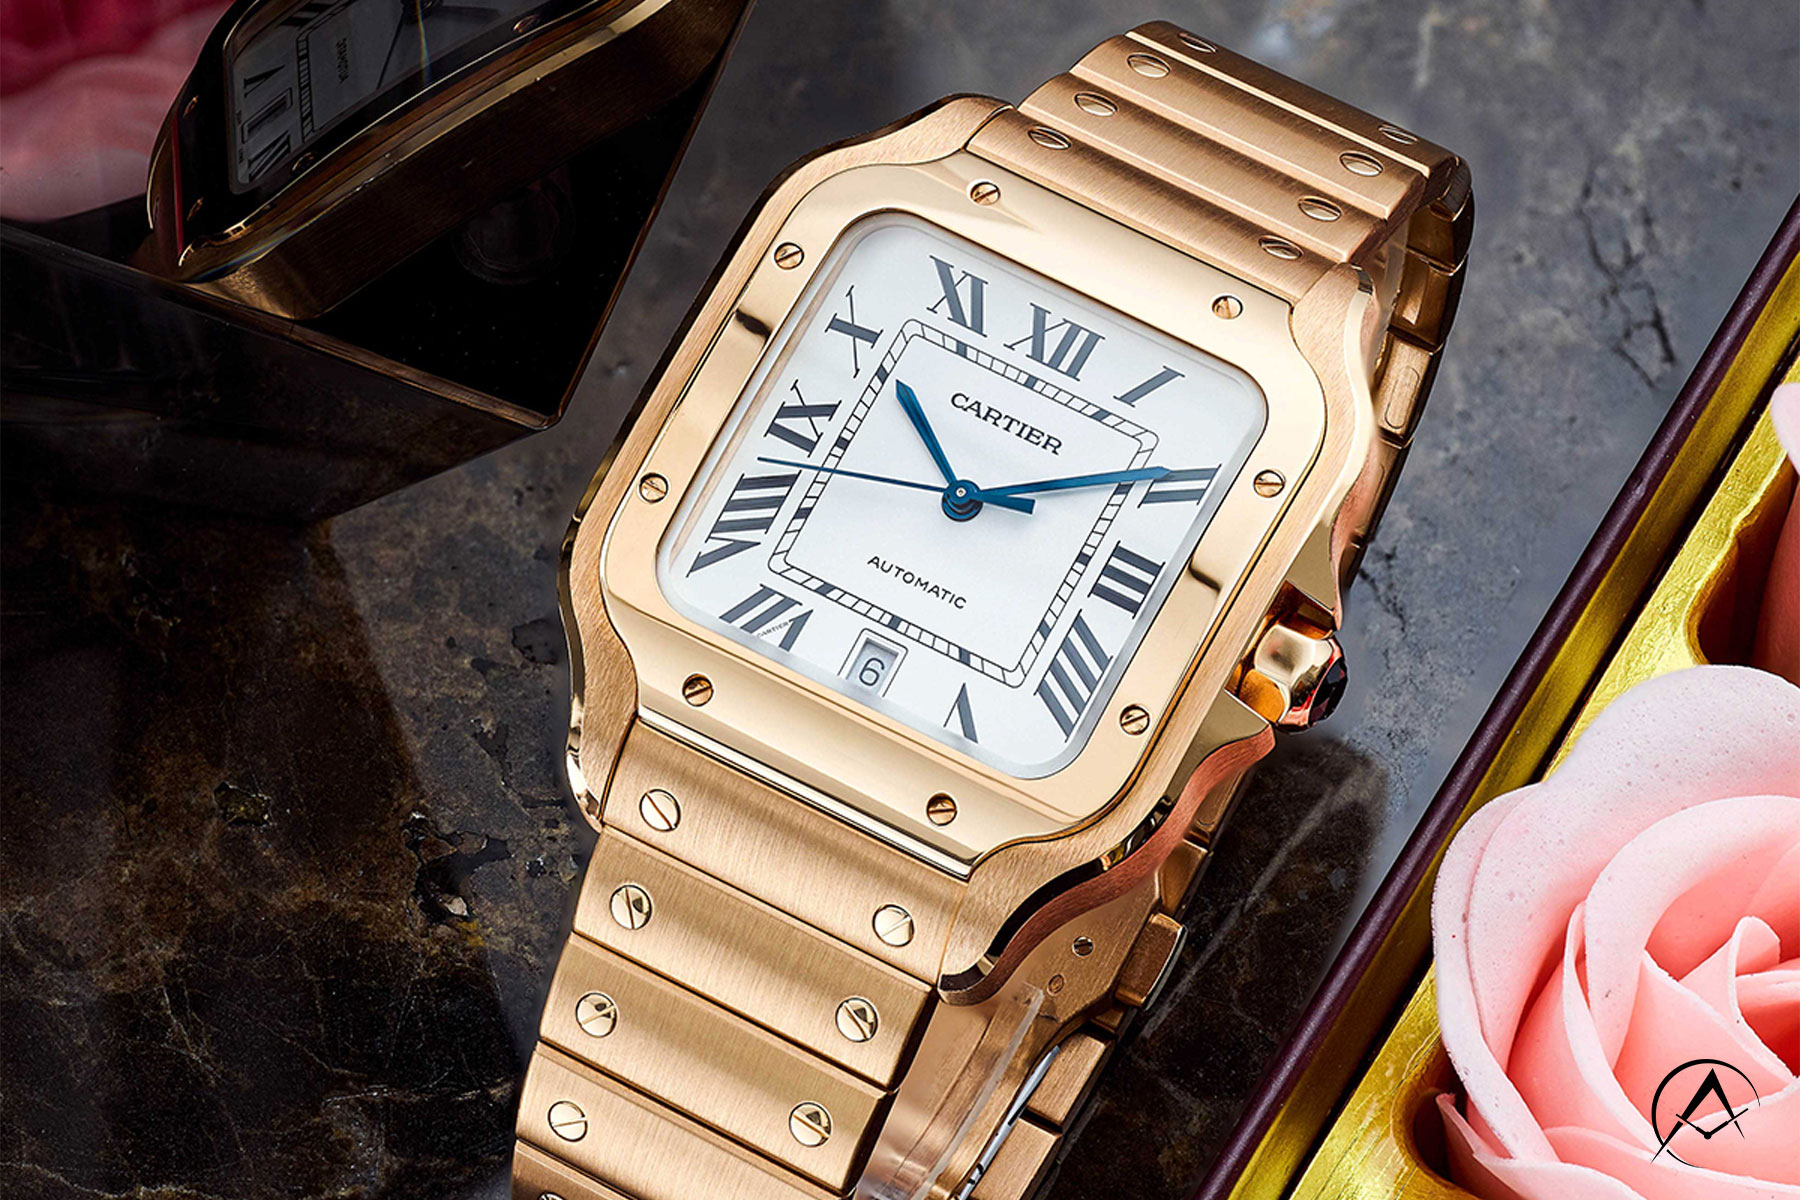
1778 631
79 134
40 37
1639 909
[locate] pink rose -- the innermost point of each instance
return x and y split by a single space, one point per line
81 134
1778 629
1637 911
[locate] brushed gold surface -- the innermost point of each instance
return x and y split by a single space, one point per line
1074 985
1178 874
808 864
537 1175
1149 958
988 972
642 1148
749 957
1743 517
1372 1151
1070 1079
1024 1159
712 1065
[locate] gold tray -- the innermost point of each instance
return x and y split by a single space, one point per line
1386 1140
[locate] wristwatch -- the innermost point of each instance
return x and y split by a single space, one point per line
991 512
318 143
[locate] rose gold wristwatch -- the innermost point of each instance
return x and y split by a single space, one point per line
991 513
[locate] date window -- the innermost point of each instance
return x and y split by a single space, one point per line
871 665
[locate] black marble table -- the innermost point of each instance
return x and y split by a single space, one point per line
285 857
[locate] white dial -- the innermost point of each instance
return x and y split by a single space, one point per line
958 493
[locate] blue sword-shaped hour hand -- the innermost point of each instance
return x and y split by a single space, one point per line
916 415
1100 479
1017 504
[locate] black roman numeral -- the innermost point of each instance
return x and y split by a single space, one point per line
761 613
1071 351
1166 375
858 334
1126 579
750 509
269 155
1073 676
1180 487
252 82
307 13
816 416
269 112
962 718
964 310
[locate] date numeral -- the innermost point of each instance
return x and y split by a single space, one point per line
750 509
1073 676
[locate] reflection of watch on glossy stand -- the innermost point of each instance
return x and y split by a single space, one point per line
318 143
990 514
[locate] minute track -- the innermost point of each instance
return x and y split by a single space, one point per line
1072 563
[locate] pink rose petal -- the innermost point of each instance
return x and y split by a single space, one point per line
1662 1178
1770 1003
1752 948
1510 881
1459 1020
1777 902
82 137
1729 846
1557 1062
1662 857
1671 1026
1476 1164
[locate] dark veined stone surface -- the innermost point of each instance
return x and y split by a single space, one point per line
285 855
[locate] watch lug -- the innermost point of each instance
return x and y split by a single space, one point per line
1220 769
1338 327
1314 575
1147 965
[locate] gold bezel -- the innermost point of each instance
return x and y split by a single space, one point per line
1206 736
798 731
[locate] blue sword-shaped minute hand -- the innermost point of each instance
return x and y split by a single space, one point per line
1015 503
1100 479
916 415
